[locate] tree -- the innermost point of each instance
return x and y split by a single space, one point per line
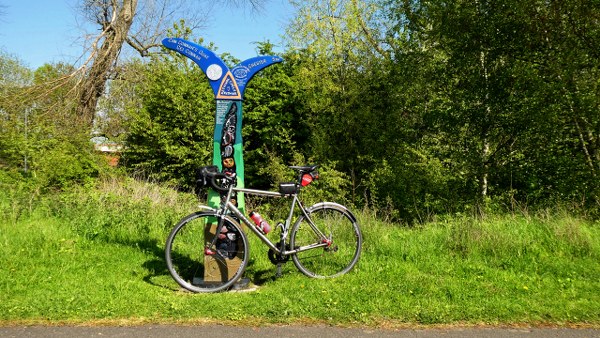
41 140
273 126
140 25
14 80
438 105
339 43
563 154
517 78
115 19
170 129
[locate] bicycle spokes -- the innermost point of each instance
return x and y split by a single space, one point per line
338 230
199 266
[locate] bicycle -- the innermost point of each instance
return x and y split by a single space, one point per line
208 251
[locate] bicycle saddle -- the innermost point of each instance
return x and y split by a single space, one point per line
307 169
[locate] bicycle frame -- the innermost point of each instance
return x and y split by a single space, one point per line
229 206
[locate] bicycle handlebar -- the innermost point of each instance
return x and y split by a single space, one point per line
214 175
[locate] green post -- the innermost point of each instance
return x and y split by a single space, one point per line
228 146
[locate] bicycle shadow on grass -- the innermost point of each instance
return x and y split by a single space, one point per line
158 275
264 276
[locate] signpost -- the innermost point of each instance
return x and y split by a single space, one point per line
228 87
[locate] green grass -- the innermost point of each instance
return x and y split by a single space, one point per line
98 257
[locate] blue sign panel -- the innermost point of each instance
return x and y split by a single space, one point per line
209 62
246 69
226 84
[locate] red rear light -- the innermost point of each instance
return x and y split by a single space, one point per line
306 180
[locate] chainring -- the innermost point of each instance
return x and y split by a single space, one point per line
278 259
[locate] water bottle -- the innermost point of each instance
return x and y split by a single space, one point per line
260 222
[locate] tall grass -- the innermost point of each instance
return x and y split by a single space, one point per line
122 211
97 255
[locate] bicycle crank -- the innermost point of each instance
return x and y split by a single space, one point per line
278 258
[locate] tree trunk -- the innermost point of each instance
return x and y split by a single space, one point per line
485 151
115 30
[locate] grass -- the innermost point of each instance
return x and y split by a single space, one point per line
89 257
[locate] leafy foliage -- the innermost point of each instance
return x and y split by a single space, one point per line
170 131
457 103
42 146
419 108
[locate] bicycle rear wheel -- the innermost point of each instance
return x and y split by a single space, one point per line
199 272
338 226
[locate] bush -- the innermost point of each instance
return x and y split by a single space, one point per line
16 195
414 186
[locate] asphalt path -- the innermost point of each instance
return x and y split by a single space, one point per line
186 331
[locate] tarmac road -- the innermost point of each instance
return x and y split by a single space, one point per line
186 331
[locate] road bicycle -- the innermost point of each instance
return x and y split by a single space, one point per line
208 251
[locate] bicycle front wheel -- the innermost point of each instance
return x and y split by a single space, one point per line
331 223
198 270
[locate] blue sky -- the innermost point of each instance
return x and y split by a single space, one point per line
41 31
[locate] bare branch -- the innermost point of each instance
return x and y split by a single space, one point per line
367 32
143 49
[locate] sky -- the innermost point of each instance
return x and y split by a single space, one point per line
46 31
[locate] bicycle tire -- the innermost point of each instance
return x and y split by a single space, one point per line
337 223
187 262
